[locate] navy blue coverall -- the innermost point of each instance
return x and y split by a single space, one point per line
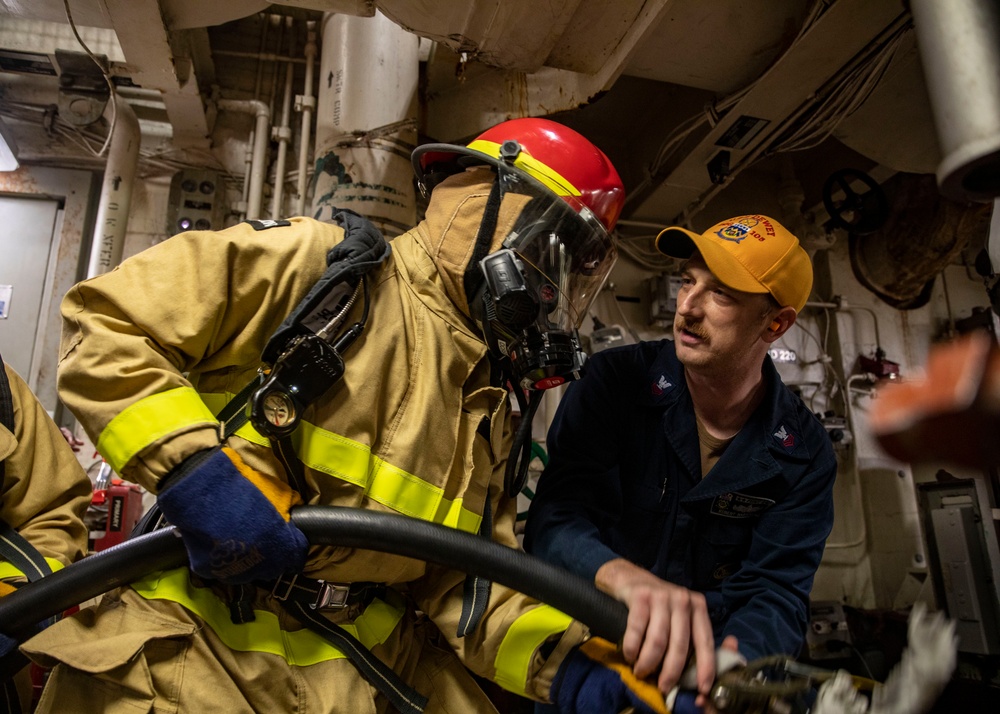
624 480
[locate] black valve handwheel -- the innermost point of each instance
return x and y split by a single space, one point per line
858 212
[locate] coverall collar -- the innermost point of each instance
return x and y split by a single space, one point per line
771 437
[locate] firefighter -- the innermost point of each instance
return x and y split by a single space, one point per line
417 343
45 496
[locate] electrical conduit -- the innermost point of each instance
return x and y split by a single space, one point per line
116 190
305 103
283 134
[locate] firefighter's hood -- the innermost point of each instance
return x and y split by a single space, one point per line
449 229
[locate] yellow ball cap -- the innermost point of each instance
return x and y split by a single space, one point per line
752 254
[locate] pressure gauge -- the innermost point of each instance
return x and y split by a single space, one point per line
279 409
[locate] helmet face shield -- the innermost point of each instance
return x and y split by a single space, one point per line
565 251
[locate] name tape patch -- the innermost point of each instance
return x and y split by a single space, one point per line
739 505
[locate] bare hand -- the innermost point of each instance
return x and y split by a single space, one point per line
665 622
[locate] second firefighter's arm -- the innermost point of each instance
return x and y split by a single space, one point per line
45 491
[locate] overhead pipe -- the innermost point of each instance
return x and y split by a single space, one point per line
267 56
283 134
959 44
116 188
266 21
366 121
305 103
272 95
334 526
259 157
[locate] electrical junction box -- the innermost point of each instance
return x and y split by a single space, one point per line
196 202
663 291
836 429
605 337
828 636
964 559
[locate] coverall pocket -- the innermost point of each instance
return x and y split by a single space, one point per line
723 548
112 659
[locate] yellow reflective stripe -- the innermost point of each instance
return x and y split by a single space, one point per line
216 401
334 454
385 483
150 419
9 571
532 166
524 637
414 497
352 461
302 647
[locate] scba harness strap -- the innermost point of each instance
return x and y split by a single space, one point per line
305 361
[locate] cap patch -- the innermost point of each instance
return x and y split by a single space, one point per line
744 226
738 230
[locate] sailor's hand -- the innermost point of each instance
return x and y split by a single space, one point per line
666 625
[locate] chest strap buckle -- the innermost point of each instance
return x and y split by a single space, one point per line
331 596
317 594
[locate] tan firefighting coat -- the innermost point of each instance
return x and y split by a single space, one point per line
45 492
153 349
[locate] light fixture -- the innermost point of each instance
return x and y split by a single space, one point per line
8 149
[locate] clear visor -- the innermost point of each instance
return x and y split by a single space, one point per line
566 252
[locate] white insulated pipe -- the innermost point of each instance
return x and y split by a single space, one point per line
366 121
959 43
257 164
116 189
283 134
305 103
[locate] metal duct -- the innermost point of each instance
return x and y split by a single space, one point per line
366 121
923 234
959 44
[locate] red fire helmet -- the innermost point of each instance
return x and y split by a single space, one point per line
561 159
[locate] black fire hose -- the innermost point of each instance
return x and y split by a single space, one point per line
334 526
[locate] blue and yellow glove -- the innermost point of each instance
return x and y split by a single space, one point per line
596 679
234 521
